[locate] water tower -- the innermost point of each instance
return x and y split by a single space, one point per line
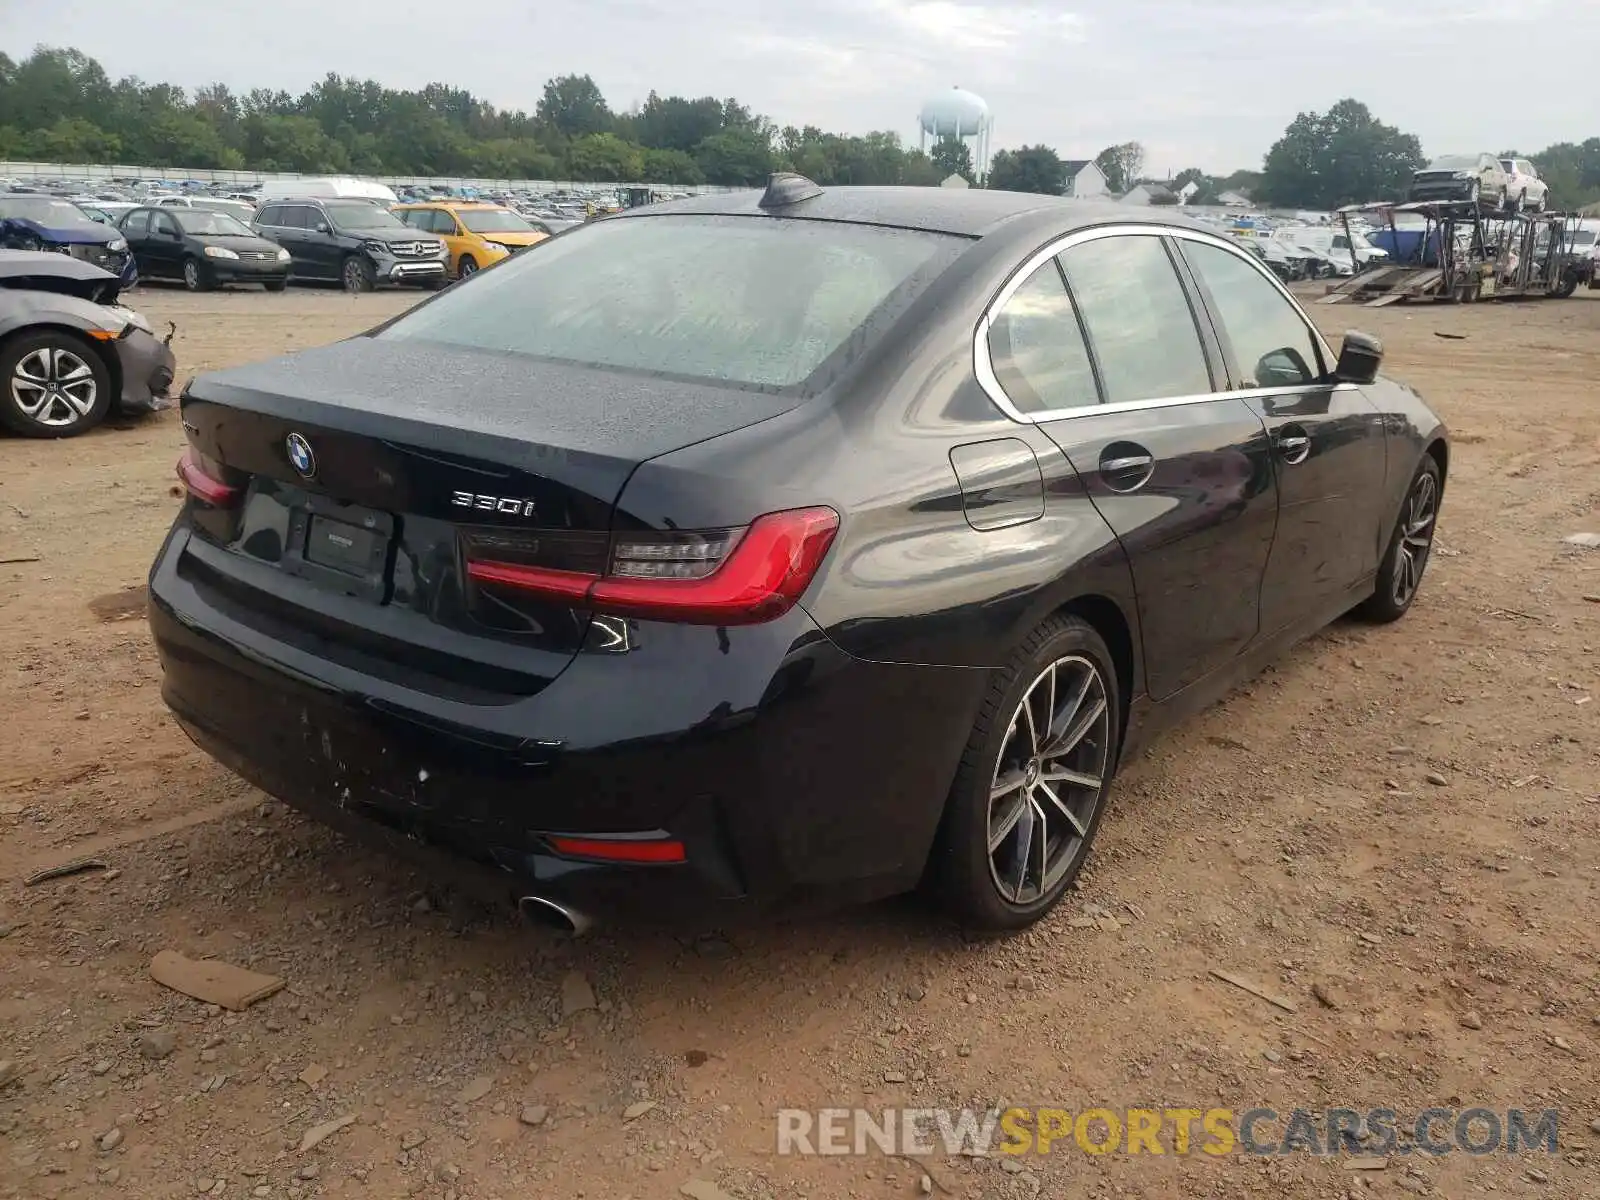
961 115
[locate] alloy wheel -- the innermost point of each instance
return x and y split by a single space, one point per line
1048 779
1416 537
54 387
355 276
191 275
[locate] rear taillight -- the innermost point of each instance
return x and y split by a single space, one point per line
711 577
201 478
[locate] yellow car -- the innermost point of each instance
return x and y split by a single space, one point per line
476 235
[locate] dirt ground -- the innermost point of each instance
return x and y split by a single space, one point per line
1405 820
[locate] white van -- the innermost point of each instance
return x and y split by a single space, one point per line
1332 245
327 187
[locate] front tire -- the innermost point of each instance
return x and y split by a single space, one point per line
275 285
1031 788
467 266
196 276
356 275
52 385
1410 546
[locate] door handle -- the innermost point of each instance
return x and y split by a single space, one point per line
1128 470
1294 444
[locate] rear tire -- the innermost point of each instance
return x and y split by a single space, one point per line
1410 546
30 363
1031 787
356 275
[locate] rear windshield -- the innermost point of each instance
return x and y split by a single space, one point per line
760 302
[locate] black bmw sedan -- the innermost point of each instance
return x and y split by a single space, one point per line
780 547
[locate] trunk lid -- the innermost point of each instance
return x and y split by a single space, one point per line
366 471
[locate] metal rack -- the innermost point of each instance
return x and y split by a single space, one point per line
1462 254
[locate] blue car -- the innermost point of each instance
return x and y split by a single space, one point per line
29 222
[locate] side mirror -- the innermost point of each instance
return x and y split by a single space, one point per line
322 227
1359 358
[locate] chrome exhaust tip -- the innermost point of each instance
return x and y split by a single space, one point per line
544 911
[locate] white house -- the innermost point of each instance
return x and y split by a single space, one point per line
1084 179
1145 193
1187 192
954 180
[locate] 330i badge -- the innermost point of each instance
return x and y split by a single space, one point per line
508 505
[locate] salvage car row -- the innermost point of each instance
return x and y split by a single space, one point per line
356 242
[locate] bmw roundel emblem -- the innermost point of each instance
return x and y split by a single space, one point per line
300 456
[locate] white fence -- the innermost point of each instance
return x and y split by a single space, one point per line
47 171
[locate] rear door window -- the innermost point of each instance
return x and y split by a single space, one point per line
750 301
1037 349
1137 315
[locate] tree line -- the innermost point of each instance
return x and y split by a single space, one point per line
1347 156
59 105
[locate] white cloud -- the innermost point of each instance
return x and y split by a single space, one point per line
1200 84
965 28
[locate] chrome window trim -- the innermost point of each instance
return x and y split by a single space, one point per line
983 365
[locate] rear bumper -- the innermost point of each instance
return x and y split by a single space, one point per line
794 775
1442 191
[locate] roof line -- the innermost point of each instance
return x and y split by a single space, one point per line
765 215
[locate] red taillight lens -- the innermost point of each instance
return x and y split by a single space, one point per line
718 577
623 850
202 484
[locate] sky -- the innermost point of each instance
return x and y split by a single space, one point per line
1209 85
